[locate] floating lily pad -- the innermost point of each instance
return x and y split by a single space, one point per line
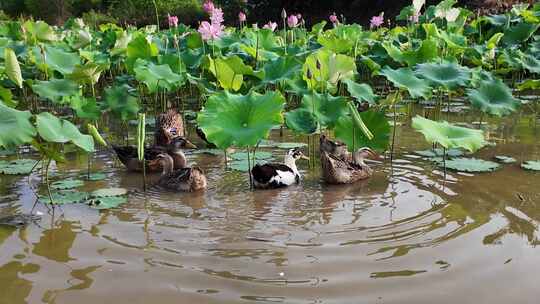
107 202
533 165
440 153
241 156
215 152
505 159
64 197
289 145
470 165
67 184
8 152
108 192
17 167
242 165
97 176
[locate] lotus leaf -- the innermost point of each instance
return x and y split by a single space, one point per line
470 165
53 129
530 63
326 69
56 59
281 69
533 165
64 197
40 30
289 145
157 76
404 78
18 166
121 103
16 127
109 192
56 90
88 73
302 121
86 108
376 123
7 97
229 77
448 135
448 75
96 176
244 155
13 69
241 120
103 203
493 97
67 184
440 153
327 109
519 33
360 91
140 48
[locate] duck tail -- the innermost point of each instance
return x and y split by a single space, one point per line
123 153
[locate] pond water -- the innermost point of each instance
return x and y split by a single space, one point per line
407 235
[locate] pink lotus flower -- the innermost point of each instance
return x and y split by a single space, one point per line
242 17
292 21
216 16
210 31
376 21
299 16
333 18
173 20
270 26
208 6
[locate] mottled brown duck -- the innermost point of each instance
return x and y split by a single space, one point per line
183 180
169 125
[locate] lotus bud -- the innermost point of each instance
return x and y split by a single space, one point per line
283 14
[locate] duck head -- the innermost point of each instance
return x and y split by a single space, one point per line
180 143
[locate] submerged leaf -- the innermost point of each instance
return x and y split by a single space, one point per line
18 166
67 184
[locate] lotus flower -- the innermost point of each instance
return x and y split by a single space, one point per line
376 21
271 26
173 21
242 17
333 18
292 21
210 31
216 16
208 6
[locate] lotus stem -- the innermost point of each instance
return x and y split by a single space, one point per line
47 182
249 170
141 134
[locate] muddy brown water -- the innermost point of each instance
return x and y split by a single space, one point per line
407 235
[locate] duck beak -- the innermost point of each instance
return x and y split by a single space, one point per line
190 145
373 155
304 157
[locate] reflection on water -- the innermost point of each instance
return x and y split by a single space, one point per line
405 236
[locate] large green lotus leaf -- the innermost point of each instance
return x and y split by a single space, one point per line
120 46
175 62
404 78
326 108
7 97
57 59
448 135
240 120
18 166
375 121
88 73
530 63
140 48
53 129
56 90
519 33
327 69
470 165
225 74
121 103
533 165
12 67
281 69
493 97
64 197
40 31
67 184
360 91
16 128
448 75
529 84
109 192
157 76
86 108
302 121
426 52
342 38
103 203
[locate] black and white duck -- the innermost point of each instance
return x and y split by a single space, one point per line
270 176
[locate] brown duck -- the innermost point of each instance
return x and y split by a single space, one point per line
168 126
129 158
341 167
184 179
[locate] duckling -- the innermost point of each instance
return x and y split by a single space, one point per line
269 176
129 158
185 179
341 168
168 126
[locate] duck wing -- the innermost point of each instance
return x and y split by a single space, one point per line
273 176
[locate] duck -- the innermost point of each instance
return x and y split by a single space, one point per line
188 179
202 136
129 158
273 175
339 167
169 125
